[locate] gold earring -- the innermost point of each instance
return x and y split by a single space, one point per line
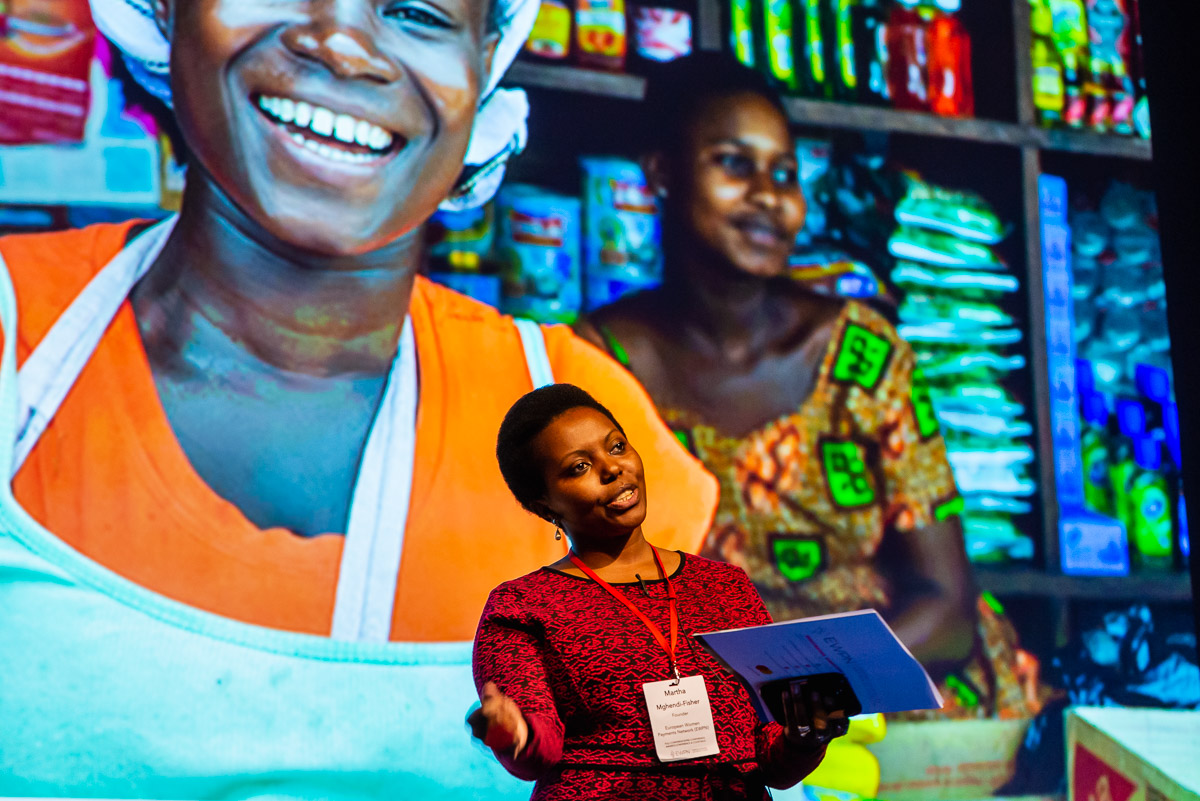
557 532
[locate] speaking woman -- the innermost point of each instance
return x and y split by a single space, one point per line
248 442
564 656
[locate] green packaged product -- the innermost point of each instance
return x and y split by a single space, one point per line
983 397
1093 444
960 214
919 307
996 504
959 363
969 282
994 538
1149 522
949 333
942 250
985 425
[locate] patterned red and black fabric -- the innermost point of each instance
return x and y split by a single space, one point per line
574 659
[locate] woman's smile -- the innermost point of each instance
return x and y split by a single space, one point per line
762 231
334 136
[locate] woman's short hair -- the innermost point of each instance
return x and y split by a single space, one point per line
678 91
527 418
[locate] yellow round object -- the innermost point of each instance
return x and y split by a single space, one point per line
848 767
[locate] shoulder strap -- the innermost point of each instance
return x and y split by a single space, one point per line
8 369
533 340
55 364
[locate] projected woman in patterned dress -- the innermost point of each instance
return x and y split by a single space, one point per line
836 493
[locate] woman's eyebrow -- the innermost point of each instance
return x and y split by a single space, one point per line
728 140
572 455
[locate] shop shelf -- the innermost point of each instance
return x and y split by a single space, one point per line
1035 583
827 114
576 79
1128 147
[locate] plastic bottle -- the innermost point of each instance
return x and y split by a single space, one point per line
1109 88
550 39
1049 92
1097 486
840 66
1131 425
908 57
813 78
1071 41
1141 109
780 42
951 93
1151 529
741 32
868 26
600 34
1185 542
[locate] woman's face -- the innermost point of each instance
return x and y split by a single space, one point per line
594 482
336 125
735 186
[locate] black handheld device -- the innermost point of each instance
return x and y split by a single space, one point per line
796 703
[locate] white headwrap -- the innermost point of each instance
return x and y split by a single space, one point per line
499 130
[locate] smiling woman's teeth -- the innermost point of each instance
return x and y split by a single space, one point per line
328 125
624 496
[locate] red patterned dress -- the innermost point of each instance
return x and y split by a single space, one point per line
574 659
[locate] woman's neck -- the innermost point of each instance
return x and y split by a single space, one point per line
726 314
295 311
617 558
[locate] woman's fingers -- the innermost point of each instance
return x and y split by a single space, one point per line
506 726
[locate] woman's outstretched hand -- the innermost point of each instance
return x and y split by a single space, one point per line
499 722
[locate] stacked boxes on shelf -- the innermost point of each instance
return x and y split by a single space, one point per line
1129 423
545 256
953 283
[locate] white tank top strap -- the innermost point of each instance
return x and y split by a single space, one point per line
53 367
533 340
8 366
374 546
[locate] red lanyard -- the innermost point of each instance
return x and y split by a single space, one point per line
668 647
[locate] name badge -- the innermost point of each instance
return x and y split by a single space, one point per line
681 719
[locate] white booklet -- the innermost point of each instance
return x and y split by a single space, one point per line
860 645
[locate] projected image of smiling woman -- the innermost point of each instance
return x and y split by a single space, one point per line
254 423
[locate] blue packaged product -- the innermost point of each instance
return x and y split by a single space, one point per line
600 290
622 237
1089 234
483 287
470 230
537 244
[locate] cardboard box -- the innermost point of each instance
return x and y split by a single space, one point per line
952 760
1118 754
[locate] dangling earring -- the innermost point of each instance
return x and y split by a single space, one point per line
557 532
